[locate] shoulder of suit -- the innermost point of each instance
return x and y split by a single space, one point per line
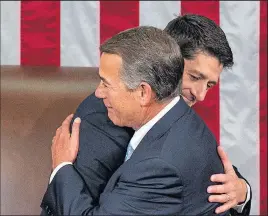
90 105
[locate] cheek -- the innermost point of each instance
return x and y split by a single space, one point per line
112 97
129 105
186 84
120 104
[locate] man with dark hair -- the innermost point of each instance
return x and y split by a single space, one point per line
96 165
206 52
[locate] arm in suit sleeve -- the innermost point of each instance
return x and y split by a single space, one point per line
153 188
102 145
102 148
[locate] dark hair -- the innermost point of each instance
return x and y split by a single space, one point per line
149 55
196 33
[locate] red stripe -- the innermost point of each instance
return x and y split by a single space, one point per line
209 109
40 33
263 108
116 16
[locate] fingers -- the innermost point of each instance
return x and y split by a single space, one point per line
217 189
57 135
58 131
225 207
63 129
75 131
221 178
66 124
228 201
223 198
225 160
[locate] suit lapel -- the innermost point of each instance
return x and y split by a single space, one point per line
163 125
155 133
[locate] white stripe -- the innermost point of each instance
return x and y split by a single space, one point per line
80 33
10 33
158 13
239 92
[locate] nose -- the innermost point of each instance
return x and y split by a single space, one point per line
99 93
200 93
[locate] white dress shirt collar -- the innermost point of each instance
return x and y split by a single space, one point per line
141 132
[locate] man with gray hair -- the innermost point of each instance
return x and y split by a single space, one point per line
175 153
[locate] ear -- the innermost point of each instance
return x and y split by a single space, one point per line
146 94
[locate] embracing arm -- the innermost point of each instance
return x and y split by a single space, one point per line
234 193
145 194
243 208
146 191
102 148
67 194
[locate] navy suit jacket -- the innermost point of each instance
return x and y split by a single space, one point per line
102 145
168 173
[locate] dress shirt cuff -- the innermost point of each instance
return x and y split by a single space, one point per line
239 208
57 169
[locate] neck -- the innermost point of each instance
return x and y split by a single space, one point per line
149 112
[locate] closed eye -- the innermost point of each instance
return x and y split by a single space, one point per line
194 78
103 83
209 86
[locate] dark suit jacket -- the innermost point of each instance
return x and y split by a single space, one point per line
168 173
102 145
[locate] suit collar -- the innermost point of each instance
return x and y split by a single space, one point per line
165 123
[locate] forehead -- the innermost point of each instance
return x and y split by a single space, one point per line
205 64
110 65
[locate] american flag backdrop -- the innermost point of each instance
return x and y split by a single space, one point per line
68 33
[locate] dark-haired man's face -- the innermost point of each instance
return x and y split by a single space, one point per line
200 75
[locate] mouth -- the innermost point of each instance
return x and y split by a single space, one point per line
189 101
107 106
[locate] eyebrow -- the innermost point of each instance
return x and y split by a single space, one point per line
203 76
104 80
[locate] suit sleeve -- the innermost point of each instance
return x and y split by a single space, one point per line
154 188
102 148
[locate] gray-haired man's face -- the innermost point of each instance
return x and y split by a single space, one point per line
122 104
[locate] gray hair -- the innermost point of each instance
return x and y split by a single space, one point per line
149 55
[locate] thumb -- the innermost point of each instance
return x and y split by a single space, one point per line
75 132
228 167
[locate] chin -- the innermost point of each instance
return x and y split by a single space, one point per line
115 120
111 117
187 101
